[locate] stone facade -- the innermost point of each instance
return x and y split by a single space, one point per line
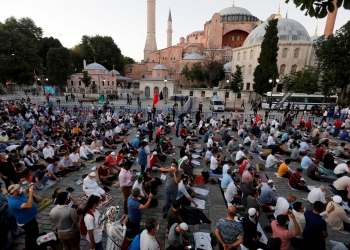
151 43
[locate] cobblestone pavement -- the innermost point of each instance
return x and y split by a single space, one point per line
215 204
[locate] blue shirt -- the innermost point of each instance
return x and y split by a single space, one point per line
135 143
344 135
226 179
23 216
305 161
230 230
284 137
262 137
296 132
267 195
314 227
135 213
142 157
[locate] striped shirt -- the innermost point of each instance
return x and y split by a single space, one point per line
294 179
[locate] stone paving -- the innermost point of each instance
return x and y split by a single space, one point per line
215 204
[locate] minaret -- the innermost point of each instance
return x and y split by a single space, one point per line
331 20
169 31
151 44
279 12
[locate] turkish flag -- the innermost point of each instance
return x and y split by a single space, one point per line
257 119
156 98
112 74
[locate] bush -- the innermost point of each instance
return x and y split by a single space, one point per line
343 102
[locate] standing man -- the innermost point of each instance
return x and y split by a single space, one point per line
148 238
126 180
242 105
7 170
200 107
65 218
25 210
228 231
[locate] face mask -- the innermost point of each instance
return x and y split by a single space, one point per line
6 156
172 167
24 183
157 228
287 222
20 190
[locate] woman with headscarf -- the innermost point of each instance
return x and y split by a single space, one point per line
115 230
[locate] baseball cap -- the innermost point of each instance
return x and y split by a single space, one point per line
139 177
270 181
251 211
337 199
112 153
184 226
92 174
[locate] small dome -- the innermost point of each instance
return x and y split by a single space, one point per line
95 66
228 67
115 72
289 30
160 66
193 57
235 11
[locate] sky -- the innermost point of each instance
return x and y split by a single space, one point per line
126 20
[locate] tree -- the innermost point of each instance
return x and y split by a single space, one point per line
76 55
319 8
128 60
197 73
20 40
333 55
103 50
47 43
236 82
214 72
86 79
302 81
58 66
267 60
186 72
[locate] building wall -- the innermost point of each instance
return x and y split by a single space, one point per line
137 71
234 38
151 84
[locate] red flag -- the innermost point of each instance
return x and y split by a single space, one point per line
112 74
156 98
257 119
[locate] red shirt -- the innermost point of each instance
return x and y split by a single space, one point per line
337 124
183 132
319 153
110 160
159 131
118 158
308 124
102 172
152 161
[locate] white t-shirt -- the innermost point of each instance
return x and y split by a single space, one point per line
139 186
231 191
282 206
270 161
270 141
148 242
92 223
74 157
239 155
213 163
341 169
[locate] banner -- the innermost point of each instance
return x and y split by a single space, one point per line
101 99
50 89
283 100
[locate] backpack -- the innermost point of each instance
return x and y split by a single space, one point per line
83 229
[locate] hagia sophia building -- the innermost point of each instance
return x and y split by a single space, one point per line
235 32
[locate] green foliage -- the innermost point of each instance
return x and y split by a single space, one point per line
86 79
186 72
93 87
197 72
319 8
203 86
47 43
214 72
128 60
76 55
267 60
103 50
333 56
58 66
20 40
236 80
302 81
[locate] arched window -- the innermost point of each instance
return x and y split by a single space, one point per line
282 69
284 54
296 53
245 55
243 70
251 54
294 68
239 56
250 68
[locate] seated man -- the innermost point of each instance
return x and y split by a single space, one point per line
41 177
341 185
233 193
95 147
215 161
49 153
68 164
283 170
313 172
105 175
31 161
184 193
273 161
342 169
74 156
85 152
57 170
318 194
226 179
24 185
177 236
338 219
283 204
296 182
295 156
90 186
340 151
267 195
306 160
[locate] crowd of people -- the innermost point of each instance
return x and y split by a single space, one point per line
43 144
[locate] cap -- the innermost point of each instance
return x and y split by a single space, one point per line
251 211
139 177
185 158
188 137
318 126
145 140
240 145
337 199
92 174
155 153
270 181
112 153
184 226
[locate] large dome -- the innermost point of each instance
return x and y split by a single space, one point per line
289 30
234 11
193 57
160 66
95 66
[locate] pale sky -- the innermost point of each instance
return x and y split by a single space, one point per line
126 20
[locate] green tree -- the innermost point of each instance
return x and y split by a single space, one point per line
302 81
103 50
319 8
214 72
236 82
76 55
326 83
128 60
267 60
86 79
20 40
58 66
197 72
186 72
332 54
47 43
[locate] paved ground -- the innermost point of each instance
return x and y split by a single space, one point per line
215 207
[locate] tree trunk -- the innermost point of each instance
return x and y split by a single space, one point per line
234 103
343 91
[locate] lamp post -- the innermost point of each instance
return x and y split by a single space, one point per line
273 81
227 81
165 91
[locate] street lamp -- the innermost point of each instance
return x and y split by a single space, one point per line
165 91
273 81
227 81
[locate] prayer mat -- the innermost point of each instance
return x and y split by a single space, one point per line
91 160
108 199
261 176
44 203
71 173
333 174
49 184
